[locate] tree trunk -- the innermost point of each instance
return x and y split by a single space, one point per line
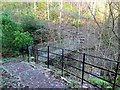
119 37
48 17
60 17
60 20
35 5
119 45
94 6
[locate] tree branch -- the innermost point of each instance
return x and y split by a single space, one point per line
113 22
94 17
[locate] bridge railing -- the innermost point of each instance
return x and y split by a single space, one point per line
82 69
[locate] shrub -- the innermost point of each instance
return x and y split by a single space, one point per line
22 39
11 36
35 27
30 24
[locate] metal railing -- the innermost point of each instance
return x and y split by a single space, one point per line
83 61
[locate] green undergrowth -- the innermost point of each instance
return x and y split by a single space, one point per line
76 23
99 82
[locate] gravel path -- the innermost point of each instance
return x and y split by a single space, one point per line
33 77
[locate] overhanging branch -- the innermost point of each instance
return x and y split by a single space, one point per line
113 22
94 17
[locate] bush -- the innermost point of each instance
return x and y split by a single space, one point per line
12 36
22 39
35 27
30 24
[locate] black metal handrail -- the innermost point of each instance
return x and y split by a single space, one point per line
83 62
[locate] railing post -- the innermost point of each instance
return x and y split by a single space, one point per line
83 68
48 58
37 57
116 70
62 61
26 87
35 54
28 53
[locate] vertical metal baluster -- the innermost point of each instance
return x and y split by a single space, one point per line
37 57
116 70
28 52
62 61
83 68
48 57
35 54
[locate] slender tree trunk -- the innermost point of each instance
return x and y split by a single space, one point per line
119 36
60 17
94 6
91 5
79 9
45 11
1 37
48 10
35 5
119 45
60 20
